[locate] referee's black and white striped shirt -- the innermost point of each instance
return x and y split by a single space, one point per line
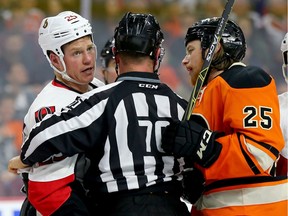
119 127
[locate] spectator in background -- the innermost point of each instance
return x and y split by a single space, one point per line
108 63
13 48
16 84
34 62
272 22
168 75
175 20
10 143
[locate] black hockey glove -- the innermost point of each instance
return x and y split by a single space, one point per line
188 138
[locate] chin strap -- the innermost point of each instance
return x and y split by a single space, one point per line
285 72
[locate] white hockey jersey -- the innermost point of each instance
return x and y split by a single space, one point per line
283 101
48 181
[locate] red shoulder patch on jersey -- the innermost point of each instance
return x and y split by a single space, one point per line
42 112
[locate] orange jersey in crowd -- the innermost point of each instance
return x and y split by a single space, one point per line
242 102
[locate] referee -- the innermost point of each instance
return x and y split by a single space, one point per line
119 126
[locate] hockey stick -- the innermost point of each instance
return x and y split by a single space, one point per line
208 59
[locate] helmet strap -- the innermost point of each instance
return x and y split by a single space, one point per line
116 60
285 72
116 68
159 59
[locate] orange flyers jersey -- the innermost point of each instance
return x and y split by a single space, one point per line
241 102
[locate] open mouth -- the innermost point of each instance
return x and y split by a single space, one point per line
189 69
90 69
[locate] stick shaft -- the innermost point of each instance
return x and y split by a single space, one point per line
208 59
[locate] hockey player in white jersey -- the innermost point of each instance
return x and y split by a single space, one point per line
283 100
54 186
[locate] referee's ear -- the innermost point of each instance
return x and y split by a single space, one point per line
158 54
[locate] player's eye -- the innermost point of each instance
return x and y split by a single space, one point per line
77 53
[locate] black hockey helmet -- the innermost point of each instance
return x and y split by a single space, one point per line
106 53
139 33
233 39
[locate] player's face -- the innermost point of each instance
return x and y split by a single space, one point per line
109 73
193 59
80 58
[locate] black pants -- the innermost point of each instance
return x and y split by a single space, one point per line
74 206
27 209
160 204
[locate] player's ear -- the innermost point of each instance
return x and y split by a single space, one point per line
55 61
219 45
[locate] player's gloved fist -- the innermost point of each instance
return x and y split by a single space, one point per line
188 138
168 138
177 138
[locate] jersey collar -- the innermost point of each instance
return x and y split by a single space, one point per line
139 76
60 84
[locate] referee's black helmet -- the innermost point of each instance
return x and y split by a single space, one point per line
138 33
233 39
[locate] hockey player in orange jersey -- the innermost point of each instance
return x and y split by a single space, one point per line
233 136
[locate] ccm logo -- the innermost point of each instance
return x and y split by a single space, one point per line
150 86
204 142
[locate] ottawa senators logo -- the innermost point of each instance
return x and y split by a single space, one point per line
45 24
41 113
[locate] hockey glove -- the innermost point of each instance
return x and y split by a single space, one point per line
188 138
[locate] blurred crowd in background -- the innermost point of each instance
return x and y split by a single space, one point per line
24 70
